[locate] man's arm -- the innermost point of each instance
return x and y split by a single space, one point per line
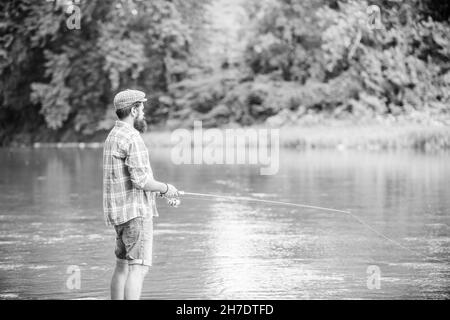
155 186
139 168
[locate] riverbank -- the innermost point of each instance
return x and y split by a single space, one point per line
338 135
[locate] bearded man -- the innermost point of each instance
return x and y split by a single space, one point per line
129 191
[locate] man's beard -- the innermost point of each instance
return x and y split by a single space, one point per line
140 125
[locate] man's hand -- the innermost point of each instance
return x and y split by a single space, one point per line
171 191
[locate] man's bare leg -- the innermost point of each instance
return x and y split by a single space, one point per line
119 279
133 286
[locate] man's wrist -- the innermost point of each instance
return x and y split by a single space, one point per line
166 188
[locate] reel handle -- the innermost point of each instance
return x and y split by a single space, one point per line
173 201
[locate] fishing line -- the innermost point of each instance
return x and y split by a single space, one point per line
249 199
235 198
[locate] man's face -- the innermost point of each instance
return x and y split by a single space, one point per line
139 119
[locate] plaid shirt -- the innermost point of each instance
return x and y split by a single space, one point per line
126 170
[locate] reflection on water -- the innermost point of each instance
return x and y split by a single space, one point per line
51 218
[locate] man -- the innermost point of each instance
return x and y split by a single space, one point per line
129 190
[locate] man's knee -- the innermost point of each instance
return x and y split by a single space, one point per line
139 269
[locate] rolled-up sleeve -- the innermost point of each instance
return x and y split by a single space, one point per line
138 163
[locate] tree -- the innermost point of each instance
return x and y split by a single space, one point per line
64 79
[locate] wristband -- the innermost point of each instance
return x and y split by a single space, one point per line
167 186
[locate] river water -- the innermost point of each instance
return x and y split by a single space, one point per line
52 229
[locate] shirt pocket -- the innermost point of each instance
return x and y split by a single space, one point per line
118 154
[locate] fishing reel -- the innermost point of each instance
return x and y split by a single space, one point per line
173 201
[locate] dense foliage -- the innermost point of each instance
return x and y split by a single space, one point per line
316 57
61 78
303 57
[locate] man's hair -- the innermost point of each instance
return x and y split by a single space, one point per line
125 112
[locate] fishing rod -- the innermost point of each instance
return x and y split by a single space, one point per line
175 202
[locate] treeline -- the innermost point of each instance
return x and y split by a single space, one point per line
303 58
307 59
58 75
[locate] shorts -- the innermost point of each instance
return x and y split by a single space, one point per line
134 241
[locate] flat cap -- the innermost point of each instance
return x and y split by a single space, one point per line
127 97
